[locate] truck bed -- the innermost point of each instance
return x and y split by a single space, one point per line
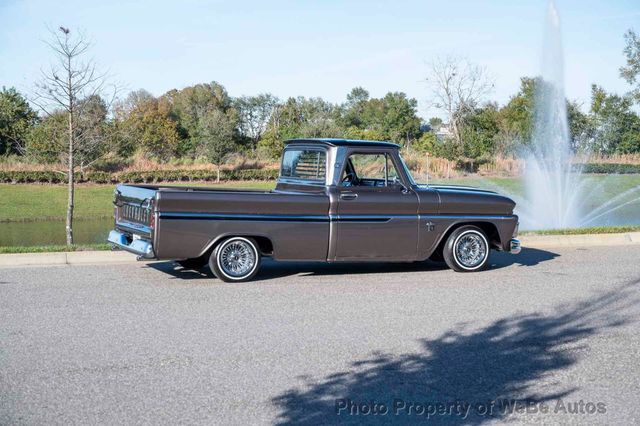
184 222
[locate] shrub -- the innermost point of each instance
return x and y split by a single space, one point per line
608 168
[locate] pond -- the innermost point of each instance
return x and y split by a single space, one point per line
44 233
94 231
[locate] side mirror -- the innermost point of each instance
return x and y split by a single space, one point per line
397 182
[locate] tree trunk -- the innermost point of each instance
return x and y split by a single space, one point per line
71 189
70 177
218 173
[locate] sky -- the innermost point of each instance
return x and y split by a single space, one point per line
319 48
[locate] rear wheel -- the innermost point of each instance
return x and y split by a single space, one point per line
236 259
467 249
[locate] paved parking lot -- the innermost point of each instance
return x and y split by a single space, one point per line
315 344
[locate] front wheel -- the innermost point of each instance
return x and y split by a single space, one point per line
236 259
467 249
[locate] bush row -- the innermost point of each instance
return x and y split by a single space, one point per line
226 175
604 168
138 177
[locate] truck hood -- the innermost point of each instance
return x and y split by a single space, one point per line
468 200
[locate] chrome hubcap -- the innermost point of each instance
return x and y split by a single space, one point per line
471 250
237 258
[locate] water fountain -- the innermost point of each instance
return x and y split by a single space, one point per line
557 193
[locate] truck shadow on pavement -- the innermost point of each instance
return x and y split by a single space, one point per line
272 270
500 362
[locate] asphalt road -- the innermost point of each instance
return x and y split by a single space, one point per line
154 344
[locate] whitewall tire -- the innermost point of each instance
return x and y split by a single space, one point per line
235 259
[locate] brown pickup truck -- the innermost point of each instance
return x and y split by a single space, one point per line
335 200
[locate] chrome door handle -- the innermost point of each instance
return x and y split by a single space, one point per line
348 196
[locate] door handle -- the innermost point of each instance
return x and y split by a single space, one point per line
348 196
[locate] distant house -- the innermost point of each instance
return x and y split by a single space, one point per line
443 132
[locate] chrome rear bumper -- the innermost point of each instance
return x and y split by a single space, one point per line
514 246
143 248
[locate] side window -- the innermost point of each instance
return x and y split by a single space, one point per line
304 164
369 170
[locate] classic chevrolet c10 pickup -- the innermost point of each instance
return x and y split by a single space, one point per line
335 200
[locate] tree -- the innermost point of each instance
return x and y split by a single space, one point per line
62 88
94 130
353 109
616 125
254 113
435 123
133 100
400 121
457 87
581 128
450 150
631 71
390 118
149 128
46 142
480 131
427 143
16 119
516 118
317 118
215 136
189 105
300 117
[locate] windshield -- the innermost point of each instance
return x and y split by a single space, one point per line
406 169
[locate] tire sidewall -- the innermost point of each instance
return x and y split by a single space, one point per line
450 253
214 261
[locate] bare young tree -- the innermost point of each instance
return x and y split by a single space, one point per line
71 86
457 87
254 115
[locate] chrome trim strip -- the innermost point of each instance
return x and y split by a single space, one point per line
241 217
319 218
467 216
134 227
368 218
280 218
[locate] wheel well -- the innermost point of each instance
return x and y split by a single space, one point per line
487 227
264 244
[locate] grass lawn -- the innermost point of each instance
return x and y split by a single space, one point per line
55 248
30 202
604 186
582 231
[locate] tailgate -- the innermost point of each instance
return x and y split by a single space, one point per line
134 209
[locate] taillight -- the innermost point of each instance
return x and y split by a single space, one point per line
152 212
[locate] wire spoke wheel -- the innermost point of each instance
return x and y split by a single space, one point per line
470 250
237 258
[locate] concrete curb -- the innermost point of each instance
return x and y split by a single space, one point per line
584 240
66 258
113 257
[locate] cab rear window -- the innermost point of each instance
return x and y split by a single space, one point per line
304 164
